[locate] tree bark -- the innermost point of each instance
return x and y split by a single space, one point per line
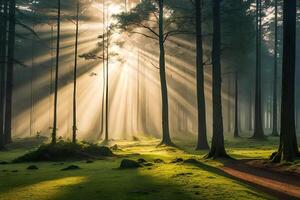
74 136
288 148
217 147
236 107
166 139
3 38
56 76
202 129
258 127
10 72
275 118
107 79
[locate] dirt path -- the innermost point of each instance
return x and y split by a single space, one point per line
276 184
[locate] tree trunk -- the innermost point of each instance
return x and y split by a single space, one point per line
166 139
74 138
56 76
275 121
236 107
202 130
103 73
258 127
10 72
3 39
107 81
288 148
217 148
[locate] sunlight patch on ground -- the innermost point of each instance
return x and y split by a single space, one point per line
43 190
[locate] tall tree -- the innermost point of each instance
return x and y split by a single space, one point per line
163 81
288 147
217 147
10 71
3 39
275 110
54 128
140 18
202 130
258 127
106 75
103 66
74 136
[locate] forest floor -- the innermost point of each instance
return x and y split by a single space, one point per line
102 179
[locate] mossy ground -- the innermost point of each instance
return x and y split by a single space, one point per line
103 180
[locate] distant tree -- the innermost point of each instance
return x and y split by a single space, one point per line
288 147
275 103
74 135
54 128
148 19
217 147
202 130
258 127
236 107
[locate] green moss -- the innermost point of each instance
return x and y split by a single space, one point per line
62 151
102 180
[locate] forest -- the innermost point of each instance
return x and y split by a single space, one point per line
149 99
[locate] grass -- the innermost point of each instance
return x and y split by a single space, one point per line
103 180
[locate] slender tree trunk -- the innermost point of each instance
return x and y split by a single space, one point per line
202 130
288 148
166 139
10 72
138 93
56 76
103 73
236 107
107 78
217 147
258 127
3 39
74 138
275 121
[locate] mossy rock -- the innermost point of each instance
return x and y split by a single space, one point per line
71 167
159 161
177 160
191 161
32 167
141 160
62 151
129 164
4 163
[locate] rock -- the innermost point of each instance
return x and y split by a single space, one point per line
115 147
3 163
14 170
141 160
32 167
129 164
191 161
148 164
105 151
177 160
71 167
158 161
89 161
